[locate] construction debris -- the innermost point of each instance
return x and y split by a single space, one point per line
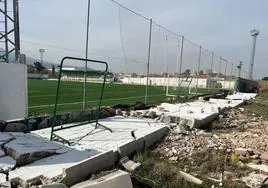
190 178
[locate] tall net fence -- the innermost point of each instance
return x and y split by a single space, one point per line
147 62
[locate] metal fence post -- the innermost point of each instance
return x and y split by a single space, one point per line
198 67
231 75
220 67
85 74
181 58
148 62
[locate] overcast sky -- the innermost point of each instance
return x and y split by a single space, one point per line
119 36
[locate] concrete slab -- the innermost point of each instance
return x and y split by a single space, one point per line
4 138
155 136
241 96
131 147
49 168
103 140
117 179
26 148
2 153
58 185
82 170
92 150
2 178
7 163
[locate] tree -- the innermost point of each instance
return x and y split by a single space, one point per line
201 72
187 72
265 78
39 66
134 75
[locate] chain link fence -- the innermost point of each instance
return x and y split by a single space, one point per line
149 63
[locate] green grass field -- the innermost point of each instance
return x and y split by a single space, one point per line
42 95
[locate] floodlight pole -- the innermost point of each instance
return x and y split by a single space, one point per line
42 55
148 62
254 33
85 74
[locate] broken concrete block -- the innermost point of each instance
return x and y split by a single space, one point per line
264 156
119 112
16 127
129 165
56 185
3 178
261 167
133 114
4 138
117 179
7 163
26 148
83 169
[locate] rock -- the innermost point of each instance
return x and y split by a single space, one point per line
45 123
228 175
133 114
3 125
165 119
56 185
261 167
254 157
81 116
16 127
254 180
7 163
242 109
173 159
151 114
119 112
264 156
126 113
111 111
241 151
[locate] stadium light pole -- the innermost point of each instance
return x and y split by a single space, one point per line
41 55
85 74
254 33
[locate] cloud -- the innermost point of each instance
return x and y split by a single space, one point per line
220 26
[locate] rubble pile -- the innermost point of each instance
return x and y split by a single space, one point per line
239 130
177 146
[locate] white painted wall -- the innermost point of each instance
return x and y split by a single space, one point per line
13 91
160 81
38 75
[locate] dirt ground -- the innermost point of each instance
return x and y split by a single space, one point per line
233 153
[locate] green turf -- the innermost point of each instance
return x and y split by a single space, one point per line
42 95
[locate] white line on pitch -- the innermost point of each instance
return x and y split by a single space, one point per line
34 96
61 104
